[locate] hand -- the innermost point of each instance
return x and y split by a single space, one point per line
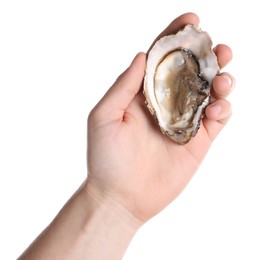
129 160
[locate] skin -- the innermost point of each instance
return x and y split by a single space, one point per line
152 169
134 171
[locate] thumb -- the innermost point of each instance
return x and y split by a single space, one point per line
122 92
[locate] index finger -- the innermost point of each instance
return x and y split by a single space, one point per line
177 24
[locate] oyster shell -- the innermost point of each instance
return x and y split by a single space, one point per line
178 79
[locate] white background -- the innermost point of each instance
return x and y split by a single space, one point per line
57 59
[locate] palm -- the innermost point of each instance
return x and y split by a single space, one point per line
168 167
147 167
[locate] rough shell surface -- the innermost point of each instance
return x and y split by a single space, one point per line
179 73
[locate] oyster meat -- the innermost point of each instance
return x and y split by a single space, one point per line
178 79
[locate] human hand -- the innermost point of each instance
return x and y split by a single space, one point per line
129 160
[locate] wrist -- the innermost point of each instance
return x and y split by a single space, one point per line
102 203
108 226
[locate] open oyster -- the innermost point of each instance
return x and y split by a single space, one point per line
178 79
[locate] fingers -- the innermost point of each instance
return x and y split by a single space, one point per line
177 24
217 115
219 111
222 51
223 85
224 54
127 85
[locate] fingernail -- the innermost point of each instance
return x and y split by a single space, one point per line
230 80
